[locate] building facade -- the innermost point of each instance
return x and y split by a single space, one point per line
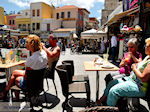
2 16
23 21
92 24
72 17
11 21
39 11
109 6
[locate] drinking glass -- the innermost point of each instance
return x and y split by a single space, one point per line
105 57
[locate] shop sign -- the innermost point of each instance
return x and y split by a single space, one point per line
129 4
133 3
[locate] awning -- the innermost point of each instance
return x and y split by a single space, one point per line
92 34
64 32
93 37
118 16
19 34
118 10
75 35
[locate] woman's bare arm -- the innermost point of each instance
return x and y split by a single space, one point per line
53 53
145 76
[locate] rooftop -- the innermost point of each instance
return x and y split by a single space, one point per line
68 7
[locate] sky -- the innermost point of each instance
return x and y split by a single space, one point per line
94 6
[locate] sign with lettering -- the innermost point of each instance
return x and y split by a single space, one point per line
133 3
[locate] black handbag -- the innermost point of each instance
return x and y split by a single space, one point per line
112 76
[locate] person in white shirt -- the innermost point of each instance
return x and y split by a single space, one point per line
37 61
102 46
113 47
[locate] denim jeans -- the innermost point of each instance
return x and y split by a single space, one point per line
120 88
113 51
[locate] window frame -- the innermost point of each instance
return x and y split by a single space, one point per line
38 12
33 13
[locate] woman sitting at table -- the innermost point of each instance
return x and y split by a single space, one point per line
130 57
134 85
38 60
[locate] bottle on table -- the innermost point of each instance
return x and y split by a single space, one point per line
18 55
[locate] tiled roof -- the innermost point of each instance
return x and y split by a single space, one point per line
68 7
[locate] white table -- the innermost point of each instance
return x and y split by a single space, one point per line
91 66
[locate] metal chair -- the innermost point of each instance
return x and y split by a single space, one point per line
34 86
73 88
72 77
2 81
50 74
101 109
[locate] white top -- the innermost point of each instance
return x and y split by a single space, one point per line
37 61
113 41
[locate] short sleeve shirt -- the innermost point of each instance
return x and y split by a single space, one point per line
113 41
37 61
127 69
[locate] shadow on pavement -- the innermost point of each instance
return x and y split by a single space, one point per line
77 102
142 108
51 102
38 104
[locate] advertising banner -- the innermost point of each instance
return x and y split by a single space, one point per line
129 4
133 3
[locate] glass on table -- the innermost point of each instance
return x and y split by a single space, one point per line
105 57
127 58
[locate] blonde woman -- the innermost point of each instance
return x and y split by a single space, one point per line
38 60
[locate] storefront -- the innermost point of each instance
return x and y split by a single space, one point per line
65 35
144 21
117 21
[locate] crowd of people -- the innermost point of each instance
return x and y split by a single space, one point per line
12 42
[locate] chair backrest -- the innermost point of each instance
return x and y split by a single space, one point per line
148 95
2 81
51 75
34 81
72 65
63 76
